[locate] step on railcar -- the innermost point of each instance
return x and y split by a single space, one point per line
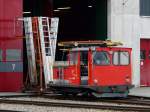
93 68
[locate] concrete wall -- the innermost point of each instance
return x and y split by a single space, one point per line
126 25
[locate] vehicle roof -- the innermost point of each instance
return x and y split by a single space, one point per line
99 48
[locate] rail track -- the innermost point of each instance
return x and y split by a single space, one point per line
129 100
76 105
128 104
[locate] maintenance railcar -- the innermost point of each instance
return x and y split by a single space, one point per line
95 70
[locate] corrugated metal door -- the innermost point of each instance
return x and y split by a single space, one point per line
11 63
145 62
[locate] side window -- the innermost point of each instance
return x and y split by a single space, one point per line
101 58
121 58
124 58
116 58
13 55
1 55
73 57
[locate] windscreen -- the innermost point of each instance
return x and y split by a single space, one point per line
101 58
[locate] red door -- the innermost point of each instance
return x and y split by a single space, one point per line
145 62
11 46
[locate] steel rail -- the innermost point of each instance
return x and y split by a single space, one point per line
129 100
134 101
74 105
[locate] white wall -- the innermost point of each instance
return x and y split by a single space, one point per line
125 25
145 27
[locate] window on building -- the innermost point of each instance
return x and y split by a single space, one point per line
101 58
1 55
121 58
144 7
13 55
143 54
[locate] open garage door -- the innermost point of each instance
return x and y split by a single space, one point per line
145 62
79 19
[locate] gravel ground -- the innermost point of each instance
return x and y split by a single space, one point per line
32 108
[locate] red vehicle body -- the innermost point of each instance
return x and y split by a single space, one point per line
11 46
102 71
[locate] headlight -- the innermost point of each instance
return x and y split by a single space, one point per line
95 81
127 79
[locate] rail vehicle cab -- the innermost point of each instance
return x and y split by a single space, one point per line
100 71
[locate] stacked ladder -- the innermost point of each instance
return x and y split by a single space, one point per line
48 36
32 71
44 38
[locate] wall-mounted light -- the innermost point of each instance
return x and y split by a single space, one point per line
26 12
90 6
56 10
64 8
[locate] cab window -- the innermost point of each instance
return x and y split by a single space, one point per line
13 55
1 55
101 58
121 58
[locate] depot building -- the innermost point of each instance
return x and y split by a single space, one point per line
126 21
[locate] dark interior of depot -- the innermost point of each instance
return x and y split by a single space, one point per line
83 20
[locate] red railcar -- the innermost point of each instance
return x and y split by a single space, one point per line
101 71
11 46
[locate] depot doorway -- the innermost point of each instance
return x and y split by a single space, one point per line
145 62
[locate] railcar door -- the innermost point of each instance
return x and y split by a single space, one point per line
101 68
84 67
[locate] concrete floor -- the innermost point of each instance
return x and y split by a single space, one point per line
140 91
13 94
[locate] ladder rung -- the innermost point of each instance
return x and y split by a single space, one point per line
35 32
46 42
46 36
38 61
53 38
44 19
45 25
45 31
